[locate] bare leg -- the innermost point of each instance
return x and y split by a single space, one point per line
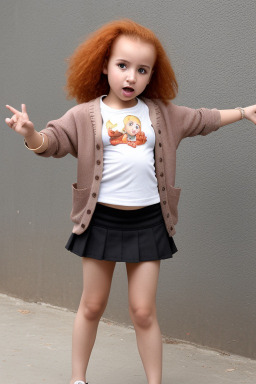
97 277
142 283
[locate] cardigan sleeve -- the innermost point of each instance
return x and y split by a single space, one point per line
191 122
62 136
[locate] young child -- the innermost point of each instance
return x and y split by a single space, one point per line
124 201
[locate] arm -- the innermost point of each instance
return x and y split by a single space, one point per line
21 124
58 139
37 142
188 122
229 116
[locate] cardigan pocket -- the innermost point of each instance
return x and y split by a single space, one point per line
173 195
79 200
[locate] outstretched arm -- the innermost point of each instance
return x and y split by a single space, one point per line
229 116
21 124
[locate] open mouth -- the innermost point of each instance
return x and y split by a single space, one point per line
128 89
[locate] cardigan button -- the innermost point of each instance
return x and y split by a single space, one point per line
161 174
164 202
83 225
98 162
98 146
89 211
171 228
163 188
160 144
94 195
159 132
168 215
160 159
97 177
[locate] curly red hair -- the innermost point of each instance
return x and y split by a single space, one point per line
85 80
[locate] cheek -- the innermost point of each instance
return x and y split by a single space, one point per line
145 81
112 74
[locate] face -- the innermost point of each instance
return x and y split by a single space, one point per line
129 70
132 128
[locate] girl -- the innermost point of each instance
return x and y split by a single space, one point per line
124 200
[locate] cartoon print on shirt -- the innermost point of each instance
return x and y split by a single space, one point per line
131 134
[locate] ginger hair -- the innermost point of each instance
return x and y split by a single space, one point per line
85 80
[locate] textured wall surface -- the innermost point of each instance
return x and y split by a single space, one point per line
207 293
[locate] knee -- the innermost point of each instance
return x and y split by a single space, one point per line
92 310
142 317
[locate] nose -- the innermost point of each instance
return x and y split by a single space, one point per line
131 76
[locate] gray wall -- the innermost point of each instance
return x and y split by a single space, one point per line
207 293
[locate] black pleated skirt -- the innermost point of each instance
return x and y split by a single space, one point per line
124 235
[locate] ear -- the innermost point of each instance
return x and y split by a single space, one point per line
105 67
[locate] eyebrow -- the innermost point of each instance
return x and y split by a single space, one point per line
126 61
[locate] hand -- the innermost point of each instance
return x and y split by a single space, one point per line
250 113
112 133
141 138
20 122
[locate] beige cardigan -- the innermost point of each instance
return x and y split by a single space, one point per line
79 132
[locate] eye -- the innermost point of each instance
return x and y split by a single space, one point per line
130 123
121 65
137 126
142 71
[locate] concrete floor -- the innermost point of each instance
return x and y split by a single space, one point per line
35 342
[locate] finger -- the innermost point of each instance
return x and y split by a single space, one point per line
13 119
10 122
23 108
13 110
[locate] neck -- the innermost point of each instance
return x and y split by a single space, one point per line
119 104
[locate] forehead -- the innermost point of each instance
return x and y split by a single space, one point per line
133 49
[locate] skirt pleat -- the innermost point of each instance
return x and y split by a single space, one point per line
131 250
128 236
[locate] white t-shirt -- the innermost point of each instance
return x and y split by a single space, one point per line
128 159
